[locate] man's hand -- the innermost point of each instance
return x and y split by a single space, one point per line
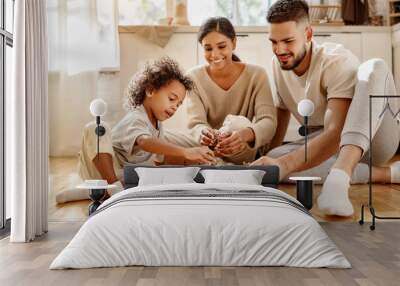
200 155
268 161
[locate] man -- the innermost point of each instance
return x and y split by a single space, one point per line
327 75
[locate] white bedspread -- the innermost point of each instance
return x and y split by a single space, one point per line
182 231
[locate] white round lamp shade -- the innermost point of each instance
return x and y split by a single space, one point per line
305 107
98 107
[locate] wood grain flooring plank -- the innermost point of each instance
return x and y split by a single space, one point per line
375 256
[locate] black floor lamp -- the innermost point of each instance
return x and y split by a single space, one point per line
370 206
98 108
97 188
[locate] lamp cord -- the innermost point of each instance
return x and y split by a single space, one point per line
305 139
98 143
98 136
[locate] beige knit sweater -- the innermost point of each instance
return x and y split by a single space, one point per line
249 96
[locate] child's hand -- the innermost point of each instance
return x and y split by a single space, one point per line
200 155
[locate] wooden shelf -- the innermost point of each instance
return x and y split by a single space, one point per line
329 15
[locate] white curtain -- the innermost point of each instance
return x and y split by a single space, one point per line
83 65
27 130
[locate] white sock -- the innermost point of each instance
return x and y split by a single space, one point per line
75 194
72 194
395 173
334 198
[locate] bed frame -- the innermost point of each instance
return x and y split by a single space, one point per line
270 179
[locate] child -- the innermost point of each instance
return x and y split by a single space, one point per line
153 95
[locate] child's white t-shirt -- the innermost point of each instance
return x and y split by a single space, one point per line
124 134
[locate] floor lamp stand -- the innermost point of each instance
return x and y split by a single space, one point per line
370 201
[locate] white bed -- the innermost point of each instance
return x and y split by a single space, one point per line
226 225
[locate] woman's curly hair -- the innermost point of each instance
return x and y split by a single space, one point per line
154 76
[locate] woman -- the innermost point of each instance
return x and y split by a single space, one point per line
224 86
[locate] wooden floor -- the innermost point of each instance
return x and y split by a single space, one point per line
374 255
386 197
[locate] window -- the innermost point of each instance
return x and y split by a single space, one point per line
141 12
9 15
252 12
6 43
240 12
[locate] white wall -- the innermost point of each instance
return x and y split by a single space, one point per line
69 98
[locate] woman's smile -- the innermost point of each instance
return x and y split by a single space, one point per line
217 61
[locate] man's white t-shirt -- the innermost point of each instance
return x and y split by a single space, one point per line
332 74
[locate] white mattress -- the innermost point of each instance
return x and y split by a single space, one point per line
183 231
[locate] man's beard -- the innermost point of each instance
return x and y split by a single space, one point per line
297 60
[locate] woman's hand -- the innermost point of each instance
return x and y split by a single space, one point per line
209 137
230 143
234 142
266 161
199 155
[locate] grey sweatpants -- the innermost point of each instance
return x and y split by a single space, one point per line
385 137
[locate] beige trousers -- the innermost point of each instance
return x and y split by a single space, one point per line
86 168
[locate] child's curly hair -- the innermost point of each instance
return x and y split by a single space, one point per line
154 76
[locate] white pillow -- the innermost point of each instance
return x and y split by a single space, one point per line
163 176
248 177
